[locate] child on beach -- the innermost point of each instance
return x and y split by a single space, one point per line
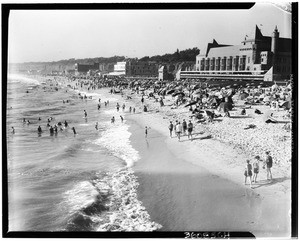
171 126
184 126
146 131
190 129
248 172
178 130
255 168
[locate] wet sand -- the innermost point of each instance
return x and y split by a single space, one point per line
182 196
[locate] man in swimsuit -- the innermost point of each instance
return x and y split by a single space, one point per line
74 131
248 172
146 131
255 168
190 129
269 163
171 126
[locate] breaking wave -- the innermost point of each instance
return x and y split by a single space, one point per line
108 202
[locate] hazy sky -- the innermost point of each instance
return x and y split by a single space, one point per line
51 35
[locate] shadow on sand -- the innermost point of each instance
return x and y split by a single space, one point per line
269 182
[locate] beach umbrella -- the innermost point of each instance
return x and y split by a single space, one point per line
197 91
170 91
178 93
267 115
243 96
267 99
287 105
224 106
192 103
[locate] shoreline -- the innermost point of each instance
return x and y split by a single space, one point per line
222 161
226 165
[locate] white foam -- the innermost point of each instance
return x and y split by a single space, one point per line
82 195
126 212
116 139
23 79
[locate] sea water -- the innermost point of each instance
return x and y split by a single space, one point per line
67 182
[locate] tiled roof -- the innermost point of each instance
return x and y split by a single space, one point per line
224 51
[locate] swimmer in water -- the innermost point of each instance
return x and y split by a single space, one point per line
24 121
113 119
74 131
39 129
85 114
28 122
96 126
39 118
121 118
51 130
13 130
66 123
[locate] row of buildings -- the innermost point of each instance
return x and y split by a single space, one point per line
258 57
131 68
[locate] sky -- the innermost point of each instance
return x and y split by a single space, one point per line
52 35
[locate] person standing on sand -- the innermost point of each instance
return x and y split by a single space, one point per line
96 126
184 126
121 118
146 131
248 172
177 130
171 126
74 131
113 119
255 168
85 114
133 110
142 100
190 129
269 163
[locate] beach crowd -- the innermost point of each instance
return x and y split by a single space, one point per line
214 105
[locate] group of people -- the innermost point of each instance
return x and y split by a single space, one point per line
181 129
251 171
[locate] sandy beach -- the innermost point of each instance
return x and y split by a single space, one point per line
199 185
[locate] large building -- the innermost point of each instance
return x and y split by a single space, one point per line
141 68
258 57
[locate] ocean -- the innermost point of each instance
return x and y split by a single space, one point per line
67 182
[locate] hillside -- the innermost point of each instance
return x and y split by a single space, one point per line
176 57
